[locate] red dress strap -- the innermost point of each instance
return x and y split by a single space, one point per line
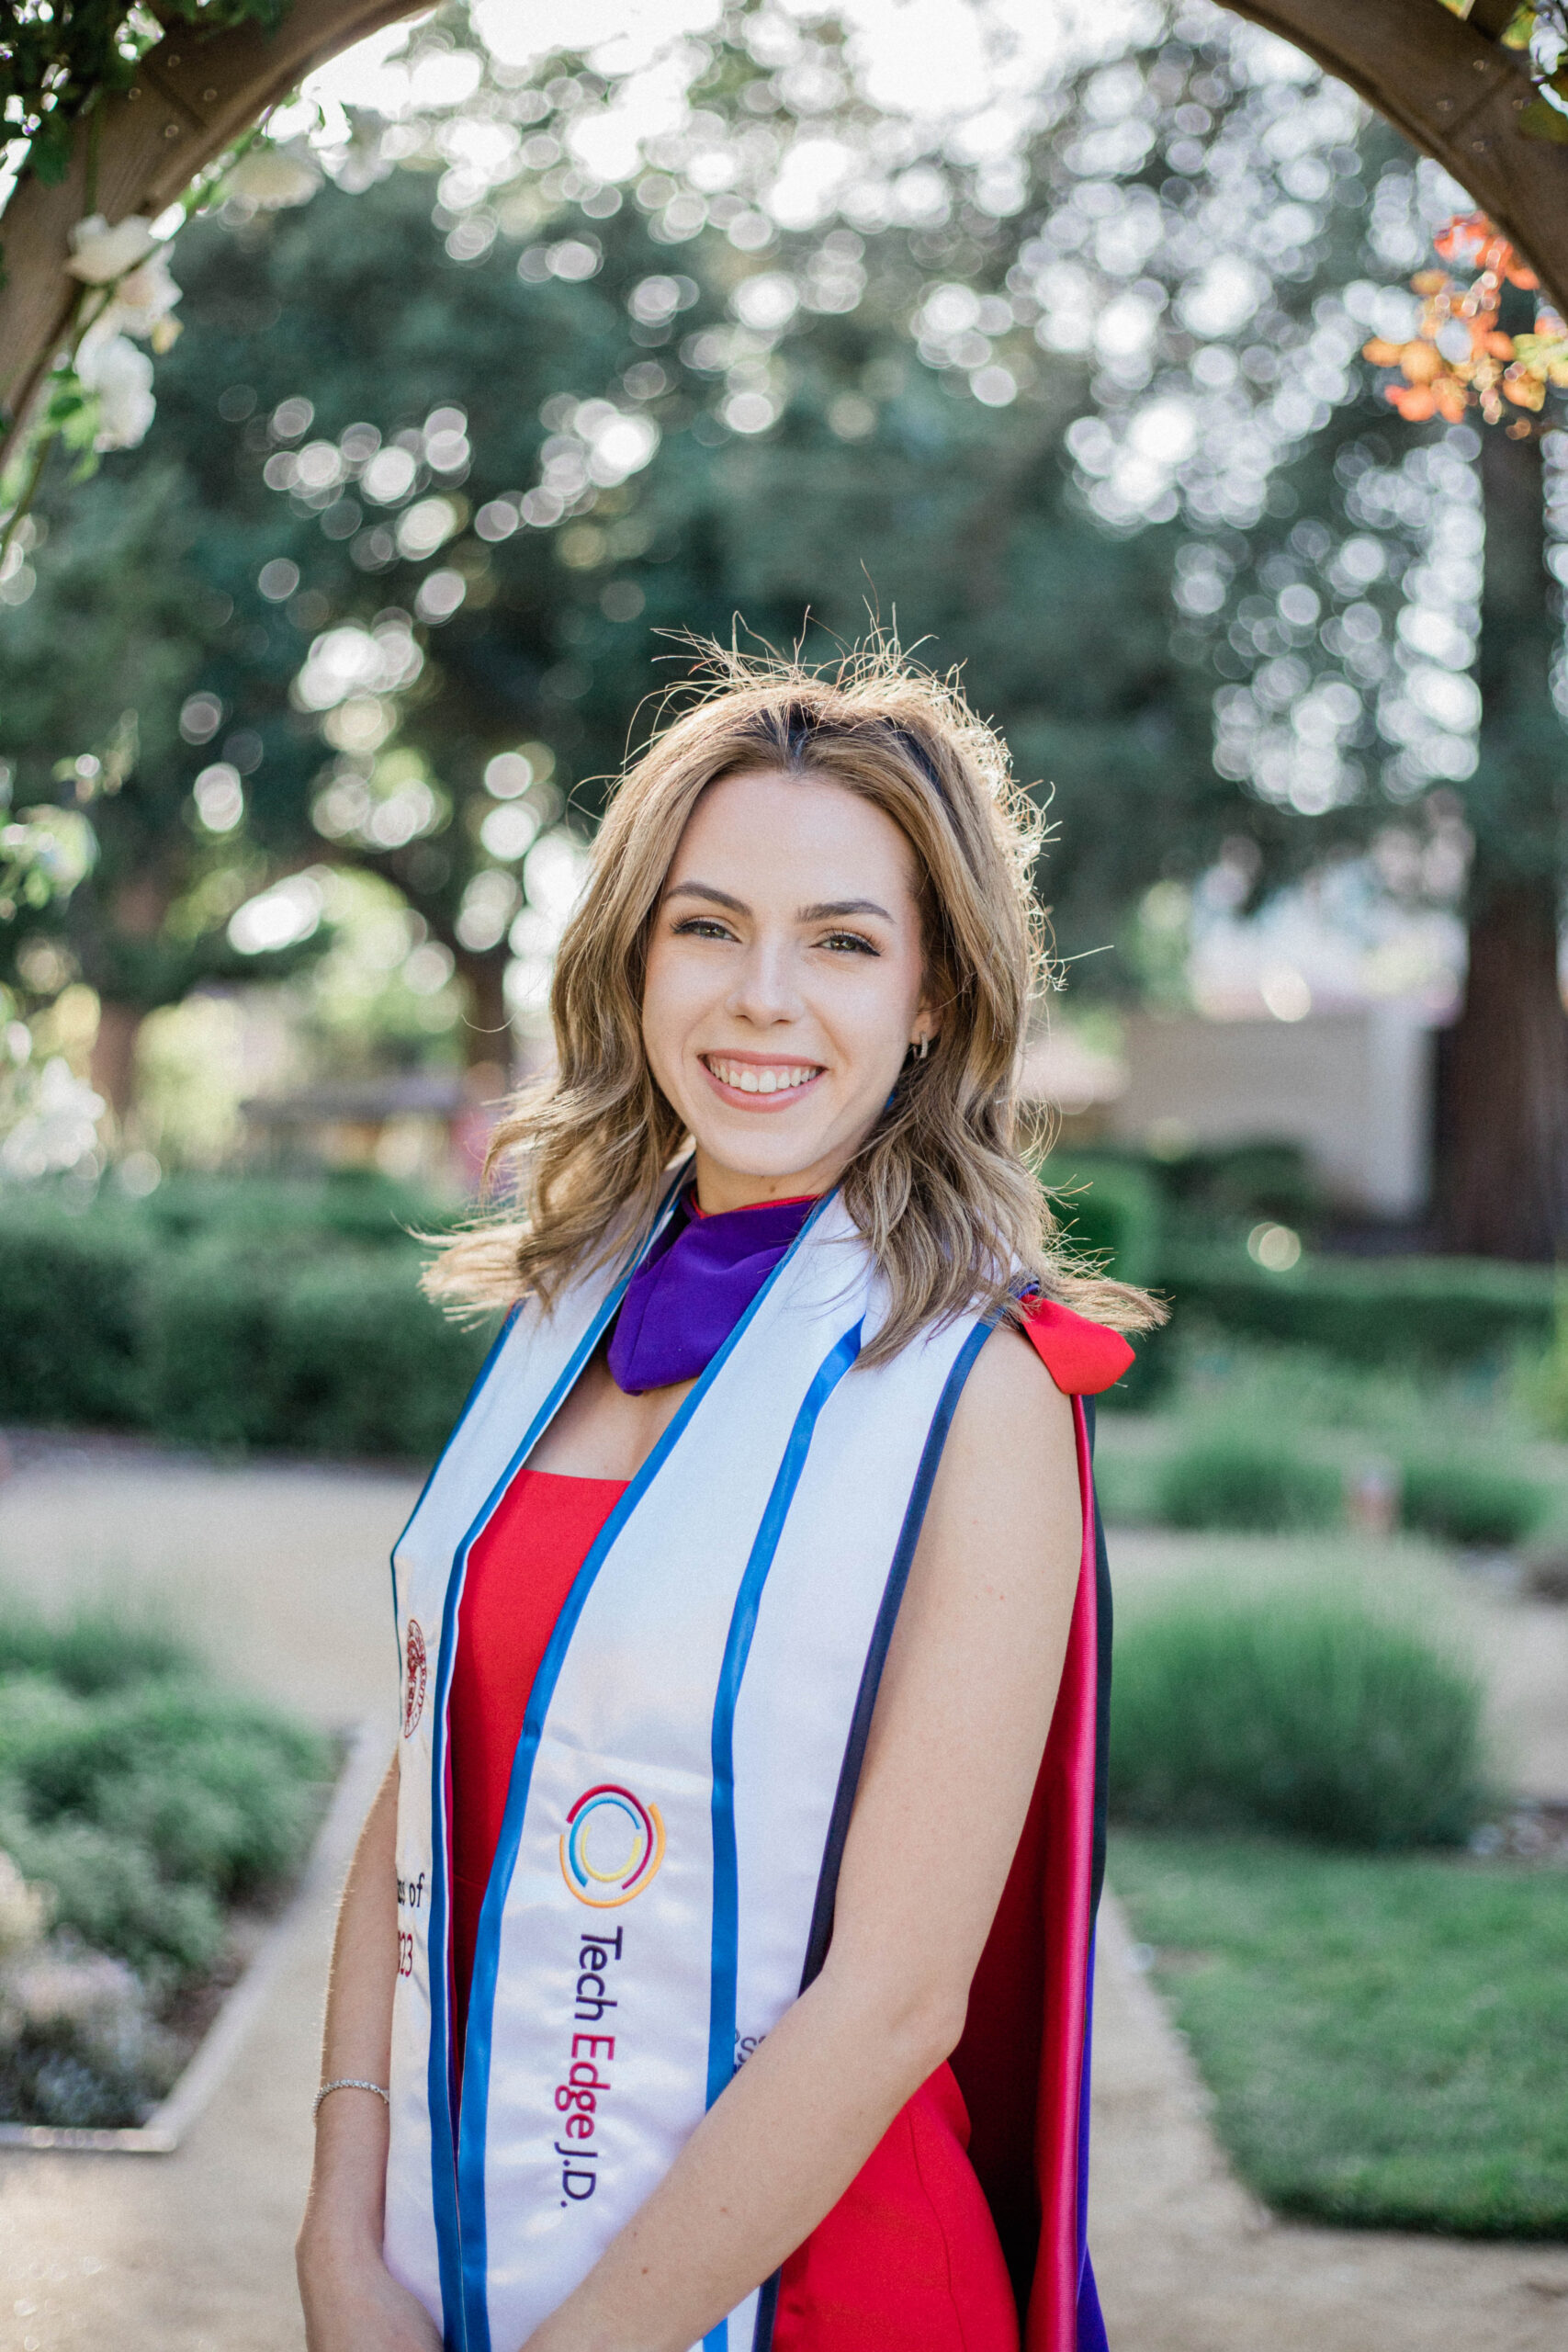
1081 1357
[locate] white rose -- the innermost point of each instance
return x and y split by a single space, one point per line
141 302
270 177
122 377
99 255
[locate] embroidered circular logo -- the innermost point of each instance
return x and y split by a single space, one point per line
612 1846
413 1678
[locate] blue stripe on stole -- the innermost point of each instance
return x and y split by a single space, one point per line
445 2190
474 2127
737 1651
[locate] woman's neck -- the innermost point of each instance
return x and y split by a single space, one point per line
721 1188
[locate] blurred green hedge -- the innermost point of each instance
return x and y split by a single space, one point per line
1370 1310
146 1801
287 1318
266 1312
1234 1478
1302 1712
1474 1503
1110 1209
1136 1220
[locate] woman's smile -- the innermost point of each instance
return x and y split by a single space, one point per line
760 1081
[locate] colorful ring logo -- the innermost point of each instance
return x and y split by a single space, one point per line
612 1846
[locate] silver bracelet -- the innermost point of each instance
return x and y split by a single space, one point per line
348 2083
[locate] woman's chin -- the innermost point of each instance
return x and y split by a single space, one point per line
766 1149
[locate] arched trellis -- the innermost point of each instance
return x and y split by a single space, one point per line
1445 82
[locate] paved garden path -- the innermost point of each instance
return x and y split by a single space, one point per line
280 1572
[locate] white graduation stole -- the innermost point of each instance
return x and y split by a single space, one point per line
680 1794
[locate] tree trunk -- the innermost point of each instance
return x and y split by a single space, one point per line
112 1063
1502 1106
1504 1095
487 1024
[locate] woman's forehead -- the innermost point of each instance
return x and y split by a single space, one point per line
789 831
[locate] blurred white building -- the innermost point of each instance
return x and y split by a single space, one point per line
1314 1022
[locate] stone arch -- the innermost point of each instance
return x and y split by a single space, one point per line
1445 82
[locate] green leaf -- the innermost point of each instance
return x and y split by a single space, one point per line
1541 120
49 157
65 401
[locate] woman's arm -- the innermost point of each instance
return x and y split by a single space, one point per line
352 2302
951 1764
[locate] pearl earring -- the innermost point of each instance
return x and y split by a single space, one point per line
925 1047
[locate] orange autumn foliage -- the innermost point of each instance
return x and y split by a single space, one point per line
1458 357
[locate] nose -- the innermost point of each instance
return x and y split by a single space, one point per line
766 988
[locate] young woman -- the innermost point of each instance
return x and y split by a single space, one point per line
714 1968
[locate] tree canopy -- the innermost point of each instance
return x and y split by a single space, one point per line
1080 401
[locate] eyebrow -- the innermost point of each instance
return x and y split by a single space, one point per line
826 911
831 910
706 891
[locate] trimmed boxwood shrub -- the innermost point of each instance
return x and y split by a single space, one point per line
1232 1479
147 1800
274 1314
70 1314
1470 1503
1110 1209
1301 1714
355 1204
207 1336
336 1354
215 1788
363 1364
1224 1182
1370 1310
91 1651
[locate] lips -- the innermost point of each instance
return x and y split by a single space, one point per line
775 1083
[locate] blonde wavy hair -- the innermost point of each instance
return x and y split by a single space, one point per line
943 1189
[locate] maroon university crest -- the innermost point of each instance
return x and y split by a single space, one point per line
413 1678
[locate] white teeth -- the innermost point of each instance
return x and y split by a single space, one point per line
748 1079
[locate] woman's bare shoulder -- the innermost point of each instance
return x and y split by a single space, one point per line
1013 1424
1009 1379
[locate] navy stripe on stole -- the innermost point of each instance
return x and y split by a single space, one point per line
475 2114
737 1652
865 1703
1102 1681
457 2330
876 1655
1090 2323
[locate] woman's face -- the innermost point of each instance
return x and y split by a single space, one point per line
785 981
